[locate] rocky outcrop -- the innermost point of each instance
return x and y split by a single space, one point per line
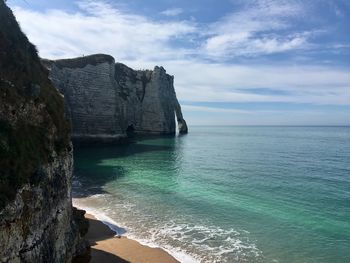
150 102
106 101
37 222
38 226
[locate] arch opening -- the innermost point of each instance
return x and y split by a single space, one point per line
130 131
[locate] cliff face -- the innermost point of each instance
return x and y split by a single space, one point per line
150 102
37 222
108 101
39 225
92 103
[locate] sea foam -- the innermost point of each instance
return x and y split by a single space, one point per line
188 243
179 255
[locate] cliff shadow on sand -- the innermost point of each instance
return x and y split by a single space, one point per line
106 247
98 231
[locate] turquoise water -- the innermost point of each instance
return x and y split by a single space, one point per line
228 194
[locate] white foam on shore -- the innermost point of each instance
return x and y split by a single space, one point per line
114 226
186 240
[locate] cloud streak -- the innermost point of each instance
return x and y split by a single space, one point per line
198 81
172 12
251 30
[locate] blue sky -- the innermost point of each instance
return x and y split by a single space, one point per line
237 62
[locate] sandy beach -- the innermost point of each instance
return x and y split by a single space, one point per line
107 248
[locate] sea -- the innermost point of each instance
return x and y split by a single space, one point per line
226 193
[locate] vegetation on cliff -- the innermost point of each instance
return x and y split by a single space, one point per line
32 124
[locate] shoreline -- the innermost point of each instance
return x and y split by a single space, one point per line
109 247
116 237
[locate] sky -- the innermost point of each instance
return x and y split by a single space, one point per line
235 62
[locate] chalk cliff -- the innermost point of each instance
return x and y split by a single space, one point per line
37 221
106 101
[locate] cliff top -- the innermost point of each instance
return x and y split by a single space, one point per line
94 59
80 62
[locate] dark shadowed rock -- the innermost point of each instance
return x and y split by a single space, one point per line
36 217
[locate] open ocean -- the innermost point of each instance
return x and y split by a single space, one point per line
227 193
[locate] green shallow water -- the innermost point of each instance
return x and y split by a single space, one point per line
228 194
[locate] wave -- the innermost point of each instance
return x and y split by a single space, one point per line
114 226
188 243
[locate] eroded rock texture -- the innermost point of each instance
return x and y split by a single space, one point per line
37 223
108 101
39 226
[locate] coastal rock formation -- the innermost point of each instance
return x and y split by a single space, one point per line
39 225
37 221
150 102
107 101
91 101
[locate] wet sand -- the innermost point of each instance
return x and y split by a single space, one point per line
106 247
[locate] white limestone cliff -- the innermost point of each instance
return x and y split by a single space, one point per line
107 101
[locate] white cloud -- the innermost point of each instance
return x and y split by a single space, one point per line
172 12
242 44
141 42
198 81
101 28
250 31
202 82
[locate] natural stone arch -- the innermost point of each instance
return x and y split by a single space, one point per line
182 125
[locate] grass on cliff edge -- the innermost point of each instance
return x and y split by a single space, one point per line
24 145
